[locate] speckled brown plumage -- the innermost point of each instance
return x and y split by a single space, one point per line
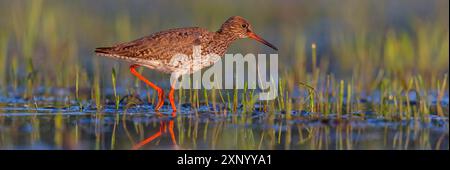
156 50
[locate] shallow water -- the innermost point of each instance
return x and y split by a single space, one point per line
42 125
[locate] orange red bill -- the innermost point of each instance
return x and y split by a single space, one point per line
261 40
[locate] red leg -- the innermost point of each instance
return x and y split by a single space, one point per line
158 89
160 100
172 101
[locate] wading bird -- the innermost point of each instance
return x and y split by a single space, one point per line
157 50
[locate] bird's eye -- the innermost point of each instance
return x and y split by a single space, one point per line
244 25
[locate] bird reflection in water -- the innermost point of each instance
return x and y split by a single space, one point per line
165 126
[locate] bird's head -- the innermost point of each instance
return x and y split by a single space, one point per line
241 28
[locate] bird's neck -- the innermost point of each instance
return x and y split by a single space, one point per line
220 43
225 36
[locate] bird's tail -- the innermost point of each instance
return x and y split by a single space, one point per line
104 51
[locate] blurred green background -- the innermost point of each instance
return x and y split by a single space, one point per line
395 51
50 41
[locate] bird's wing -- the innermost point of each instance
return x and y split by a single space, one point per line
161 45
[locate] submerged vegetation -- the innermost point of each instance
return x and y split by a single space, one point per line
381 62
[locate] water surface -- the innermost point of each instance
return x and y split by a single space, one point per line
43 126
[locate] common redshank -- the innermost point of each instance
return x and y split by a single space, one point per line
157 50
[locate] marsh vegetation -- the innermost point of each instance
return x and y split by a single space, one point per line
353 75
